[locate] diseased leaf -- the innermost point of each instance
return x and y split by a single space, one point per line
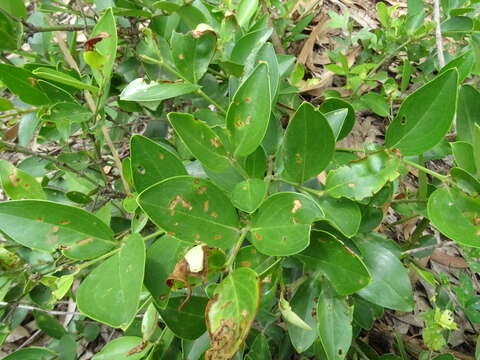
18 184
202 141
345 270
231 311
152 162
192 209
334 323
124 348
309 144
192 52
281 227
390 286
249 194
139 90
111 292
46 226
362 178
425 116
456 215
249 112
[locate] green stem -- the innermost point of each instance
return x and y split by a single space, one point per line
18 112
180 76
425 170
389 56
153 235
236 249
422 181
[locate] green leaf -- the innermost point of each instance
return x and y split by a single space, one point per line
23 84
10 32
161 259
425 116
363 178
415 16
260 349
18 184
152 162
15 7
139 90
457 25
334 318
390 286
62 78
465 181
245 10
456 215
68 112
467 114
377 103
281 227
463 154
336 119
345 270
249 194
309 144
124 348
200 140
46 226
192 53
187 322
106 47
192 209
48 324
332 104
111 292
32 353
341 213
304 305
231 311
463 63
249 112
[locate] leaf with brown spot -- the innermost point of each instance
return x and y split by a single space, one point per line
231 311
18 184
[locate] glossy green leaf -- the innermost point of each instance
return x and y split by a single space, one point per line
457 25
162 256
345 270
463 155
193 210
68 112
363 178
332 104
425 116
309 144
390 286
249 112
245 10
342 213
268 55
152 162
46 226
187 322
141 91
260 349
290 316
467 114
15 7
334 317
123 348
18 184
304 305
377 103
22 83
336 119
48 324
249 194
281 227
57 76
32 353
149 322
465 181
463 63
106 47
202 141
10 32
256 164
231 311
456 215
111 292
246 49
192 53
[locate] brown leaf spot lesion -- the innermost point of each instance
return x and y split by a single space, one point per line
297 205
139 348
258 236
64 222
248 119
161 156
215 142
55 228
84 241
214 214
223 340
217 237
41 219
245 263
176 201
248 99
244 313
298 158
201 190
14 179
205 206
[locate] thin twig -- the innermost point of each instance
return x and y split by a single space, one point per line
29 307
438 33
428 247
